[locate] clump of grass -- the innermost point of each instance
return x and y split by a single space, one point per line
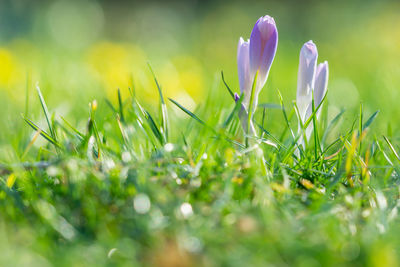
137 187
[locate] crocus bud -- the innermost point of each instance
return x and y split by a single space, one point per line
306 77
245 81
255 56
311 80
321 84
263 44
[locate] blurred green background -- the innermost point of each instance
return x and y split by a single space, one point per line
78 51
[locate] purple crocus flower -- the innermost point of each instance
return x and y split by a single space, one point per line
306 77
311 79
257 54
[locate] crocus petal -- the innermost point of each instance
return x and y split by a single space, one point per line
255 48
321 83
320 87
269 52
245 81
306 77
263 45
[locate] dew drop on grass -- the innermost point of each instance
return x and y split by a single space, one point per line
126 156
186 210
141 203
168 147
108 164
52 171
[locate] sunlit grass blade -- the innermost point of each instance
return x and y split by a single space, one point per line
370 120
123 133
285 117
121 106
188 112
317 146
227 86
263 118
110 105
163 108
387 158
141 117
42 132
93 129
392 148
267 133
46 112
329 147
234 112
157 84
153 126
77 132
303 128
28 147
314 113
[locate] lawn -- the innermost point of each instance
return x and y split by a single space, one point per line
151 174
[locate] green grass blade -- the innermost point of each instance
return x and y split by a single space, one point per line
42 132
77 132
188 112
111 106
163 108
121 106
235 111
227 86
250 109
157 84
276 140
313 114
392 148
370 120
285 117
154 128
46 112
317 147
